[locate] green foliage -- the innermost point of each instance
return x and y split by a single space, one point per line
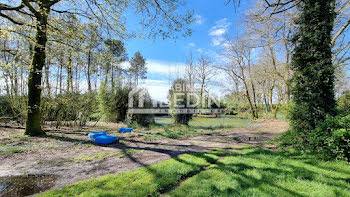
178 101
69 107
145 119
313 91
13 107
121 103
331 138
138 67
113 104
344 103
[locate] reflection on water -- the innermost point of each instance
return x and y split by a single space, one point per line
25 185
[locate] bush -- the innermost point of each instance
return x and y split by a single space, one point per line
143 120
14 107
69 107
332 138
344 104
113 103
179 89
121 103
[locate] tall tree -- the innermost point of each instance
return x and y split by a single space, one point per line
313 91
118 55
205 71
153 13
138 67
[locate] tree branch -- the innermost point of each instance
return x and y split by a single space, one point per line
11 19
342 29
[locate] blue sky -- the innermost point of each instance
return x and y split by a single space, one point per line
208 12
214 20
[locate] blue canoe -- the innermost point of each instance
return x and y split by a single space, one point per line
125 130
105 139
94 135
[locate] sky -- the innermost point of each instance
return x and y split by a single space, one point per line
214 19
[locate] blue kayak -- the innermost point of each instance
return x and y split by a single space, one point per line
105 139
95 134
125 130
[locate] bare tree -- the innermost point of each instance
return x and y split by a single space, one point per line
239 66
205 71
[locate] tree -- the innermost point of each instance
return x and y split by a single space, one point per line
313 91
178 95
205 71
190 70
117 55
239 67
160 14
138 67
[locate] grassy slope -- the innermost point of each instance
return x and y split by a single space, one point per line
251 172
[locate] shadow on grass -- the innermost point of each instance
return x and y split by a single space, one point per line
247 172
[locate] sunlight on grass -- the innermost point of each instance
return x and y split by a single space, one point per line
258 172
146 181
244 172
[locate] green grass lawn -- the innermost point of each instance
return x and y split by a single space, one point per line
197 126
209 123
248 172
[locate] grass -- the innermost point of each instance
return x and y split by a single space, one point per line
258 172
90 157
151 180
209 123
176 132
128 152
242 172
165 128
6 149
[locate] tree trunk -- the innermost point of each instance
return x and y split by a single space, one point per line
252 110
70 73
88 70
61 76
33 125
47 76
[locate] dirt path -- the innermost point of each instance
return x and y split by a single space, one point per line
71 157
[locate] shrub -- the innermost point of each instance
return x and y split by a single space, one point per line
121 103
69 107
332 138
344 103
144 120
113 103
179 89
107 103
14 107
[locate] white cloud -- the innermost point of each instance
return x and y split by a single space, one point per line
217 41
158 89
165 68
198 19
191 44
218 31
200 50
220 28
